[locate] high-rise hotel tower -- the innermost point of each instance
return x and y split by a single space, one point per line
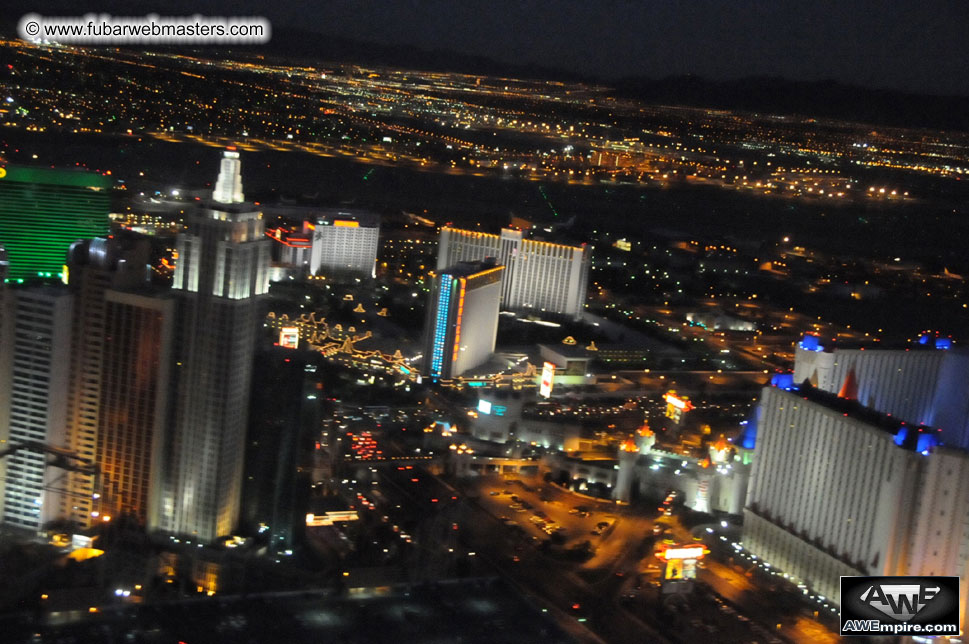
221 274
94 266
34 350
848 481
540 276
43 211
462 318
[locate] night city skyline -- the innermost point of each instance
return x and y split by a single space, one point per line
504 328
907 46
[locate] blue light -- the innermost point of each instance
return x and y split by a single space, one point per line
943 343
925 442
783 381
901 435
441 325
748 437
924 338
810 343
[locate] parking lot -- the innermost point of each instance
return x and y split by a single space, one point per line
545 512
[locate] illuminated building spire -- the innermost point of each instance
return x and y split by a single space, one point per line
228 187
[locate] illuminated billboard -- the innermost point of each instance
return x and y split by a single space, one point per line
548 374
289 337
681 560
676 406
684 552
487 407
329 518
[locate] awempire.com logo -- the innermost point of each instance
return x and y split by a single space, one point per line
924 606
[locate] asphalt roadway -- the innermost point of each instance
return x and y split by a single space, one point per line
614 596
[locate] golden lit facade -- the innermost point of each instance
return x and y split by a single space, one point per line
541 277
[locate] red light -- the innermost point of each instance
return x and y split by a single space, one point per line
433 500
576 606
414 480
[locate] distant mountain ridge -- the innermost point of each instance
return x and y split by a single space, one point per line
767 94
333 48
771 95
817 99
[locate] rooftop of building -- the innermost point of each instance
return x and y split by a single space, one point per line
926 341
598 459
71 177
467 269
557 238
569 351
210 206
332 503
910 436
604 350
331 216
45 286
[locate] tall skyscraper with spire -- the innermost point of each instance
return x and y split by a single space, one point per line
222 271
228 187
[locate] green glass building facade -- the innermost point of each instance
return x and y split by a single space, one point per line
44 211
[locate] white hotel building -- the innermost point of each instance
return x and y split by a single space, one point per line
34 350
344 242
330 242
462 318
920 384
539 276
838 488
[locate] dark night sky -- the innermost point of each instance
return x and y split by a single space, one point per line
916 45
